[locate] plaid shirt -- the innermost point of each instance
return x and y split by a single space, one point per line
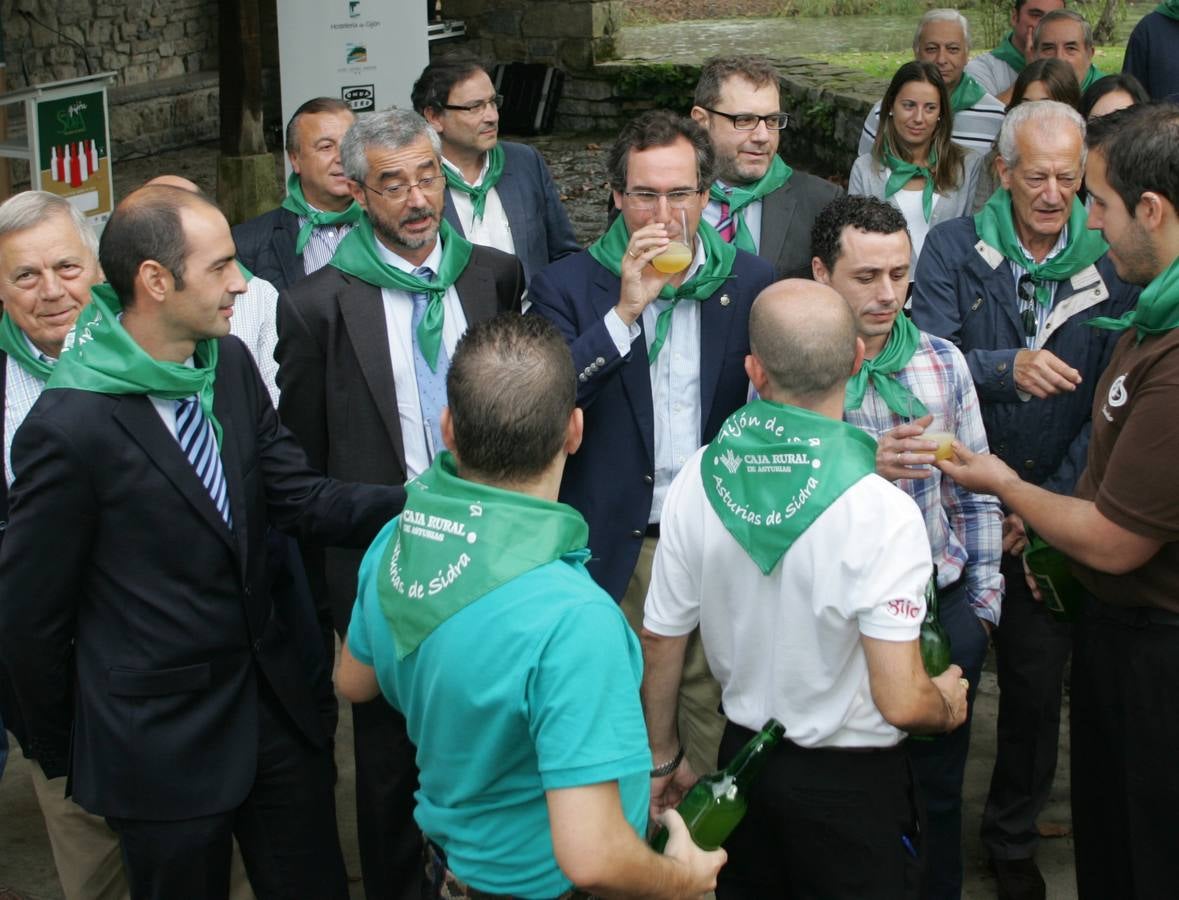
965 529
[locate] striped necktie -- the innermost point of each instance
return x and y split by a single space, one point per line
727 224
195 435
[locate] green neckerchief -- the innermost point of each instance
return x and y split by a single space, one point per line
1170 9
101 357
357 255
297 203
773 469
1156 311
898 350
457 540
718 266
1091 76
966 94
16 345
901 173
478 195
740 196
1009 53
246 273
996 227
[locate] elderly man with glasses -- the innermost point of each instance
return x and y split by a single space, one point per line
499 194
363 351
656 312
757 202
1014 287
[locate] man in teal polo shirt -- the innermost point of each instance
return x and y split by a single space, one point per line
517 675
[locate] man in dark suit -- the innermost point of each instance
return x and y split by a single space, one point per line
660 361
363 351
289 243
137 624
758 202
498 193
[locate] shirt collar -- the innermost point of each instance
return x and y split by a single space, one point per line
1061 243
433 261
482 171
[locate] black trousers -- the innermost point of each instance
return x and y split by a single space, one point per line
1031 650
386 778
825 824
286 829
1125 754
940 762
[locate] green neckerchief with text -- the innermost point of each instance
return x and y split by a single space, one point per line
739 196
297 203
100 356
478 195
357 255
901 173
1157 309
457 540
898 350
966 94
1170 9
773 469
717 268
996 226
14 343
1010 54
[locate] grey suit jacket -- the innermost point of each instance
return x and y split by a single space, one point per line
787 217
337 391
540 226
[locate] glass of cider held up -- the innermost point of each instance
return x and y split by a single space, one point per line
677 255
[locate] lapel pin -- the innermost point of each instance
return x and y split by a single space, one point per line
725 301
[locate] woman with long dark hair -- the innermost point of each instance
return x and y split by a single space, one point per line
914 165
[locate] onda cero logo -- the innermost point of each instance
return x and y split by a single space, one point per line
359 97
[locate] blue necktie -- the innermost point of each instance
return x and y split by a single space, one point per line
194 432
431 382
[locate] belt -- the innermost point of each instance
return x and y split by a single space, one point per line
785 745
1136 616
445 885
653 530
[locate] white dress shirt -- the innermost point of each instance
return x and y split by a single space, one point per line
493 229
21 391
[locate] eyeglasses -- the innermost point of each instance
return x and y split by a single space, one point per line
431 184
497 101
1026 288
748 121
647 200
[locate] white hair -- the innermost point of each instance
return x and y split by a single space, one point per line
29 209
1044 114
942 15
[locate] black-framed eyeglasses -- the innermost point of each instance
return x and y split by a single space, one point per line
477 106
646 200
748 121
1026 289
431 184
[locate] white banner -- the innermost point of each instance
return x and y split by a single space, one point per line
366 52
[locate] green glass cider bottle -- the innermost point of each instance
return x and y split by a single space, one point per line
717 802
935 643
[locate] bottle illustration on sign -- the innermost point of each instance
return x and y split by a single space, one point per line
73 163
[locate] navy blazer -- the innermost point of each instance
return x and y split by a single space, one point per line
611 480
266 246
135 619
540 226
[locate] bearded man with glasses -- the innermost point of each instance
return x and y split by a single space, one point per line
659 350
757 202
363 351
1014 287
499 194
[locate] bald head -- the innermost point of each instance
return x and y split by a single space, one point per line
803 337
175 181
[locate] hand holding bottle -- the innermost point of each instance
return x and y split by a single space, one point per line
702 865
953 688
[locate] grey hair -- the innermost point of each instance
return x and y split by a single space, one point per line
29 209
390 128
1043 114
1073 16
942 15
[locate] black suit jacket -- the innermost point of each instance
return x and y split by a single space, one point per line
9 710
116 546
338 395
787 217
266 246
